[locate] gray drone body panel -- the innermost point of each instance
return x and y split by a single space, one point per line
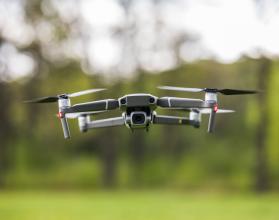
182 103
101 105
138 100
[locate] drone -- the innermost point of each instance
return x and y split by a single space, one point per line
138 110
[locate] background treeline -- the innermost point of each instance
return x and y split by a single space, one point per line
243 154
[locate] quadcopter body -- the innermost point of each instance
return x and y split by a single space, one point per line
138 110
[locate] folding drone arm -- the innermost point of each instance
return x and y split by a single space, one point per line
173 102
102 123
173 120
65 108
101 105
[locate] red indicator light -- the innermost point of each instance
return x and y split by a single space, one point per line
60 115
215 108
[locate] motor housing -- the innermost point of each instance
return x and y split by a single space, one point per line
83 122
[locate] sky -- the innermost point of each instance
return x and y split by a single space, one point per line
226 29
231 28
223 29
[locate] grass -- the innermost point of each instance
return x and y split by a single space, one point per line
135 205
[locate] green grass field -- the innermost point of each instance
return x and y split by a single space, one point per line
136 205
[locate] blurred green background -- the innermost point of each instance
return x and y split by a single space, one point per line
167 173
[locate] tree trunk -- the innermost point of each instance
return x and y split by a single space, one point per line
262 181
109 160
6 131
137 152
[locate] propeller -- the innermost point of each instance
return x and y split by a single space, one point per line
55 98
211 97
63 103
207 110
210 90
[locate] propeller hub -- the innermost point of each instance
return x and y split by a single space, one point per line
63 96
64 103
211 90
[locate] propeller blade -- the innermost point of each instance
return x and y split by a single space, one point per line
236 92
85 92
173 88
219 111
48 99
210 90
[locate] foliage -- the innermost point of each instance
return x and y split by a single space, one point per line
36 155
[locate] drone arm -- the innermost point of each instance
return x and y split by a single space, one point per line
102 105
110 122
173 102
172 120
211 121
62 105
65 127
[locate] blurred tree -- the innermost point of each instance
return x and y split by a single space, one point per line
7 132
262 176
109 146
54 70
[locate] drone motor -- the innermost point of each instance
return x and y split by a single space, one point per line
83 121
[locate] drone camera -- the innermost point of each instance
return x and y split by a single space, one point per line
138 118
123 101
152 100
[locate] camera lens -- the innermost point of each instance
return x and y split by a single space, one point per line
123 101
151 100
138 118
